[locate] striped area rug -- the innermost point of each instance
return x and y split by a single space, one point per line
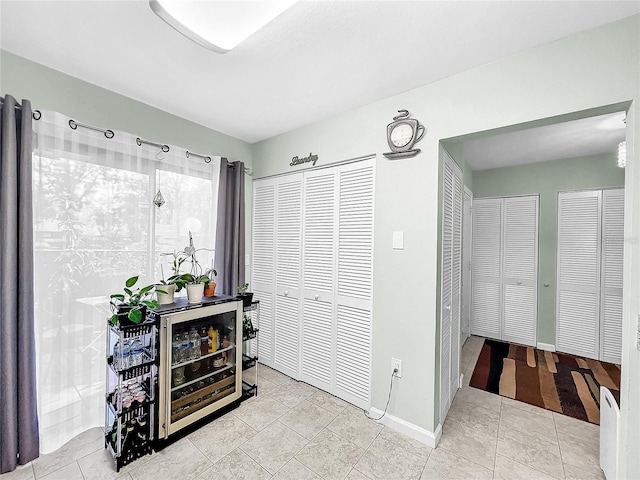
555 381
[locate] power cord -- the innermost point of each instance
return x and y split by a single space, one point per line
366 414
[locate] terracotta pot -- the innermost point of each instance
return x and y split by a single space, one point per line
210 289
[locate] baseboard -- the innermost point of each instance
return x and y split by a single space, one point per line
546 346
431 439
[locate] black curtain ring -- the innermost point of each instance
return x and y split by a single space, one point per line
73 124
165 148
139 142
207 159
36 114
108 133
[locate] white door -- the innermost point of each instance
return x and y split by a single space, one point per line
487 268
467 236
520 271
505 268
578 270
313 274
354 292
263 277
288 269
612 272
450 284
319 245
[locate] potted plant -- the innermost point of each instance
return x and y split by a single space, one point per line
195 280
210 286
172 284
130 307
247 297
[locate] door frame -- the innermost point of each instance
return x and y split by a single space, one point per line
467 253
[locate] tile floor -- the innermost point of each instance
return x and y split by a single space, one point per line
294 431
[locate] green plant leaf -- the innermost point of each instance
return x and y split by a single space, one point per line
145 290
118 296
162 291
114 320
131 281
128 292
135 316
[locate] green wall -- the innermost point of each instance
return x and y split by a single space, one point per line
49 89
547 179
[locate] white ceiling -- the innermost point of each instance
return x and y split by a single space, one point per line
578 138
314 61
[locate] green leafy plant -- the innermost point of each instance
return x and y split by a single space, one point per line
210 273
132 300
242 289
175 279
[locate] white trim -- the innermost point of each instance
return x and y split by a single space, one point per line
431 439
546 346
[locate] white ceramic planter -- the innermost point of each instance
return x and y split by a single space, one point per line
195 292
165 298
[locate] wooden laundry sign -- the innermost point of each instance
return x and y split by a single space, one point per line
299 161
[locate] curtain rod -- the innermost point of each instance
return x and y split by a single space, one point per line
74 125
35 114
165 148
206 158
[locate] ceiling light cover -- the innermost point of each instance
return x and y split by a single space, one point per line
622 154
218 25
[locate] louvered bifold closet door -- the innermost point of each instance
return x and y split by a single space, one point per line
487 265
319 244
578 296
612 273
456 281
288 258
520 270
354 292
263 272
446 303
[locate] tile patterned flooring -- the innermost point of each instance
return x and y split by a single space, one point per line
296 432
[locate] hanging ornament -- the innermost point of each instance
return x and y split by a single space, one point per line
158 200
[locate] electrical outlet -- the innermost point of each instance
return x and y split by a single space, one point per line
396 365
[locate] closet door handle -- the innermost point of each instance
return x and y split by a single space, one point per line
317 296
447 307
519 282
286 293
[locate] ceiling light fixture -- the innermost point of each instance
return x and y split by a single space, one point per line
218 25
622 154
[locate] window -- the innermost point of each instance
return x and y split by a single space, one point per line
95 226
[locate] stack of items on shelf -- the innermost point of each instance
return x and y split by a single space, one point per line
131 385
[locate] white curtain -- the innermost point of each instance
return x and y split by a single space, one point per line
95 225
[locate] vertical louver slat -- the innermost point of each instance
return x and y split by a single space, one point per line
355 237
265 324
353 353
578 247
487 261
263 231
520 257
289 231
319 231
612 274
263 265
317 361
286 335
456 283
354 282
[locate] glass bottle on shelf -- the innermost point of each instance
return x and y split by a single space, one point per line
194 338
176 349
204 341
126 353
213 339
186 346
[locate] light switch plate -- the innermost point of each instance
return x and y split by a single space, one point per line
398 240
